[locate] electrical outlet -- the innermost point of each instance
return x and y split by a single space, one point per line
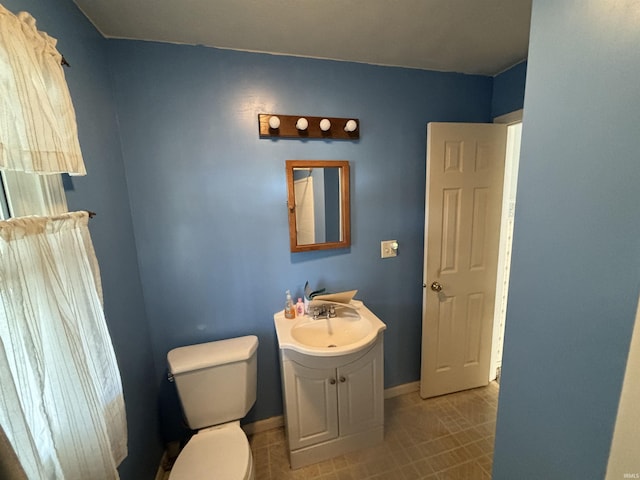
388 248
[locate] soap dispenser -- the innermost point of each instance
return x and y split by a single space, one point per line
289 307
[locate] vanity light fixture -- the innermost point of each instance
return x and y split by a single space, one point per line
276 126
351 126
325 124
274 122
302 124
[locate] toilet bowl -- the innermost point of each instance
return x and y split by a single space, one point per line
216 383
215 453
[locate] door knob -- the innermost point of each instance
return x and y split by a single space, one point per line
436 287
332 381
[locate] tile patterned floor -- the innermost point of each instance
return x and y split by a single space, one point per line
444 438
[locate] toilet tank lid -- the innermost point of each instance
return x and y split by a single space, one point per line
211 354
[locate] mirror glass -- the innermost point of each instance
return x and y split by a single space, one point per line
318 203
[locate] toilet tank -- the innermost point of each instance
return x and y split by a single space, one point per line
216 381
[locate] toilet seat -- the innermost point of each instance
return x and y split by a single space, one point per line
220 452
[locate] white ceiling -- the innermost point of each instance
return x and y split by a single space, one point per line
468 36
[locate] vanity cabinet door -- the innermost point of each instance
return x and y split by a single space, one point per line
311 405
361 394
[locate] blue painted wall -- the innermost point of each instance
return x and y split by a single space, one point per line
104 191
208 196
508 90
575 276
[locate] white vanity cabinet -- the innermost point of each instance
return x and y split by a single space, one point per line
332 405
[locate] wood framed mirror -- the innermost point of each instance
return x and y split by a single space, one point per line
318 203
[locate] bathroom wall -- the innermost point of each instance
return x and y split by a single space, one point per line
575 276
208 196
103 191
508 90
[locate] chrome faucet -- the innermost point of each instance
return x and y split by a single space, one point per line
326 311
318 311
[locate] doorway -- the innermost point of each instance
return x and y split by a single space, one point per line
512 161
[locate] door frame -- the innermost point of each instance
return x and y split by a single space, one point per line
502 286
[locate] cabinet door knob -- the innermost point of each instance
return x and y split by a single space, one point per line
342 379
332 381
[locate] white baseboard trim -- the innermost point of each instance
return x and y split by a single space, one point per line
263 425
402 389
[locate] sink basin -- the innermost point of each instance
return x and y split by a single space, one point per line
355 327
330 332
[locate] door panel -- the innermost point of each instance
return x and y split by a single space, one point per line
465 169
450 229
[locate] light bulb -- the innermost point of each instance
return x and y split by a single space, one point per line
351 126
302 124
274 122
325 124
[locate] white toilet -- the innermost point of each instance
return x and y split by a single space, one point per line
216 383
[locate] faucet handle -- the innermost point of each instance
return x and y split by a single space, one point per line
332 311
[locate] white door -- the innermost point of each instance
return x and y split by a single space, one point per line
305 212
465 169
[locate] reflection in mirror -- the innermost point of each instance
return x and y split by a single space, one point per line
317 193
318 204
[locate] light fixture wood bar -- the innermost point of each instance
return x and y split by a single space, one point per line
287 128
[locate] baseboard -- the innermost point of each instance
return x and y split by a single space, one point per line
401 389
263 425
